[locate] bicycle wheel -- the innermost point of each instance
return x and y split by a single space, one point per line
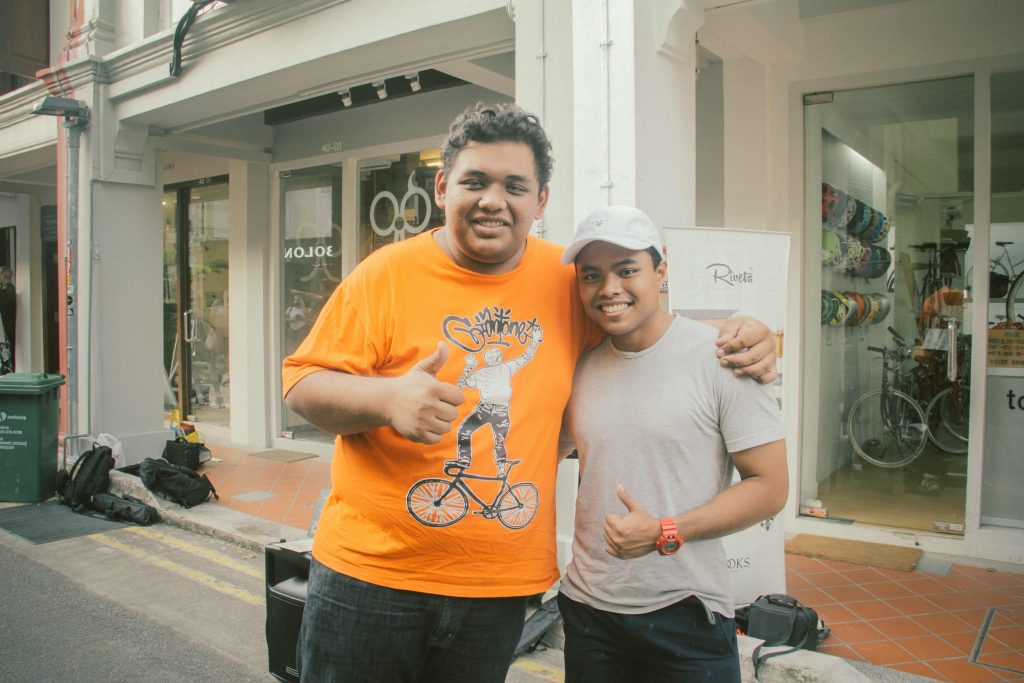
518 505
1015 299
949 419
887 428
437 502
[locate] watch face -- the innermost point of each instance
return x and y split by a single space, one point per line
669 546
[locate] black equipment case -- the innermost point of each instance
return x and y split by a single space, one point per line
287 572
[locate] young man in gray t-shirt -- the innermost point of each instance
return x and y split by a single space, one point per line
659 426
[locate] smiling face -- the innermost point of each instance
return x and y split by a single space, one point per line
491 196
620 289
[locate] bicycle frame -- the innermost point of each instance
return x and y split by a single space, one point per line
439 502
457 482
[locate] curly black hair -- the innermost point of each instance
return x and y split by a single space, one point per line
502 122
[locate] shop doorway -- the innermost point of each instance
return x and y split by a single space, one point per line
196 300
891 199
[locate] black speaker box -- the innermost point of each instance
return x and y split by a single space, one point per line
287 571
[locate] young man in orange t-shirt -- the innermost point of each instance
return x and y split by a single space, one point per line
424 556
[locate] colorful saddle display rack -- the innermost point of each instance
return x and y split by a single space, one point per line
840 211
853 308
849 230
856 257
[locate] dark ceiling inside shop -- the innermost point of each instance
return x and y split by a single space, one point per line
362 95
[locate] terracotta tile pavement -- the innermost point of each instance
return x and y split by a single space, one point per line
925 624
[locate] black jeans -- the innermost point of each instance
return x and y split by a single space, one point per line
672 644
360 632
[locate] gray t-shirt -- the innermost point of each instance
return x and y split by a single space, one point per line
661 422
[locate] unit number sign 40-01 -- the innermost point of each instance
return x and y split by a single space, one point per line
331 147
319 250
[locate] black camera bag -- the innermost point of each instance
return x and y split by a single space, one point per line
780 619
185 453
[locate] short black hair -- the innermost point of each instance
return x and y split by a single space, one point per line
502 122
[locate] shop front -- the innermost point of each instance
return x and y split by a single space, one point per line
903 177
908 401
225 203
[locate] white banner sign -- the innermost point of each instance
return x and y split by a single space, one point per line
715 273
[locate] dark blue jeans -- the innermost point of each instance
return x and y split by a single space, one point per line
360 632
672 644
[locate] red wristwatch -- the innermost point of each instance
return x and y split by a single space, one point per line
670 540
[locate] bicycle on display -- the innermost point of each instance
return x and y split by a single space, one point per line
948 411
889 427
442 502
1015 302
1004 273
1004 264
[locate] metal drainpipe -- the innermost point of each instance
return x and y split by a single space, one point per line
74 128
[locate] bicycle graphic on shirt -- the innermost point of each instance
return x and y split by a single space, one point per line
442 502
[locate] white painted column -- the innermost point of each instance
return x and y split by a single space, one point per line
253 368
28 285
746 144
544 86
614 84
121 309
634 107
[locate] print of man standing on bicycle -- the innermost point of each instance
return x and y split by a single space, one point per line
494 382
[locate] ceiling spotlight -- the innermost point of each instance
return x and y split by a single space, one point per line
346 97
381 88
414 81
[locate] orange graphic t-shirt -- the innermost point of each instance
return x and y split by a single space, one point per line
397 515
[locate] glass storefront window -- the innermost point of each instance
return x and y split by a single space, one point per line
396 201
1002 503
895 170
196 329
396 198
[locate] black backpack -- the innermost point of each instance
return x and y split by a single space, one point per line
177 483
89 475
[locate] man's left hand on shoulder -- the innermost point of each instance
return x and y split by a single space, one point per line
747 346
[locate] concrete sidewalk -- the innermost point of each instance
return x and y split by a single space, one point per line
545 664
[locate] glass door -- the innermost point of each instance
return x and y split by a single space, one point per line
196 300
311 264
892 170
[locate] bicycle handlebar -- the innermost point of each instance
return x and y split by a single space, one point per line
896 334
879 349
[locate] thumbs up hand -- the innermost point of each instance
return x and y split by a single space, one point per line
633 534
423 407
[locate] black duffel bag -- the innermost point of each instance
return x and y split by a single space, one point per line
177 483
124 509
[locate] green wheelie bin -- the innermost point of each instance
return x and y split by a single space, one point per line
29 404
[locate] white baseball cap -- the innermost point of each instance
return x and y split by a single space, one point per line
625 226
